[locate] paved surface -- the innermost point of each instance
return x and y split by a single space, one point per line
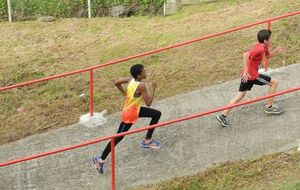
187 147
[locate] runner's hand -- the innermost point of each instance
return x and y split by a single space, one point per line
245 77
281 49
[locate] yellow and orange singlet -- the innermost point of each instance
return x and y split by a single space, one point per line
132 105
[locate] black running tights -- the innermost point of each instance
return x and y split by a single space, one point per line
144 112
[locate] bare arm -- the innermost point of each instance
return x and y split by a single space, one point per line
275 52
246 67
148 98
118 83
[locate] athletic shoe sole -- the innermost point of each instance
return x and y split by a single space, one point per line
275 113
96 163
221 122
147 146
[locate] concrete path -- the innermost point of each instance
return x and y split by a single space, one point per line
187 147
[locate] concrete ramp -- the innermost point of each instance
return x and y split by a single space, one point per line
187 147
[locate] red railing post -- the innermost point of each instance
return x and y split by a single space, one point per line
266 59
91 92
90 142
150 52
269 25
112 148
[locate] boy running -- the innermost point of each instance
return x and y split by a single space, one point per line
250 75
135 94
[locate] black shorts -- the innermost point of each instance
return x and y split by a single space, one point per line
261 80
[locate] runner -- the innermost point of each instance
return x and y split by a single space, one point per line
250 75
135 94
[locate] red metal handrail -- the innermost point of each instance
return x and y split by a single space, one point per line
148 52
112 137
145 54
146 128
91 92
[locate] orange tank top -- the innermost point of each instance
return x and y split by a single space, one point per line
132 105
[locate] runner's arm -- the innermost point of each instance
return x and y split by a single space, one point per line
275 52
118 83
246 66
147 98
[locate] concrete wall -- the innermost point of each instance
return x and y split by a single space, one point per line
192 2
172 6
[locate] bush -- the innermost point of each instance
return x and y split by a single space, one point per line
27 9
3 10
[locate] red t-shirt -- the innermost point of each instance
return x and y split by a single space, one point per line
256 55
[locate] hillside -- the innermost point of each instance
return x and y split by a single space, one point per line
32 50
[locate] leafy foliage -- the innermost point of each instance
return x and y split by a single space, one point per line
27 9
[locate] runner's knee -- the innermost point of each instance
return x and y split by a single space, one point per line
274 82
155 117
157 114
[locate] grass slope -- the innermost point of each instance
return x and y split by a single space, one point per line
272 172
33 50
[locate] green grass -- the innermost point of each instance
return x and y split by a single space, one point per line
294 185
32 50
270 172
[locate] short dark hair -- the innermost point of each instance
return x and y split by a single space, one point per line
263 35
136 69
